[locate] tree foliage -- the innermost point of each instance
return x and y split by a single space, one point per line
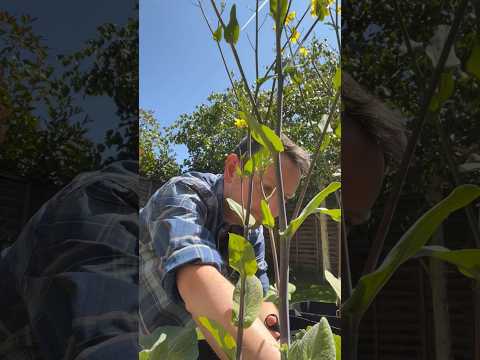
44 130
209 132
156 160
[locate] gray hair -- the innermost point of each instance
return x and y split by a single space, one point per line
383 124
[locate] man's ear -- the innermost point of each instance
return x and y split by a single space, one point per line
231 163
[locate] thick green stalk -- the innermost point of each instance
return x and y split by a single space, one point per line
284 243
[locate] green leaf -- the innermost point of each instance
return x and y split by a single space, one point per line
272 137
241 212
262 80
335 283
253 300
408 245
221 336
473 62
258 162
232 31
319 8
177 342
446 87
268 219
272 293
241 255
338 346
200 335
261 133
217 35
294 74
326 141
159 350
317 343
274 7
466 260
335 214
248 167
311 208
338 130
315 292
337 78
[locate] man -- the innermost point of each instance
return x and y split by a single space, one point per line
184 269
69 283
372 135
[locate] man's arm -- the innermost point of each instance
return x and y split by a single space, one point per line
207 293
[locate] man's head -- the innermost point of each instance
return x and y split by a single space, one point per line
372 134
295 163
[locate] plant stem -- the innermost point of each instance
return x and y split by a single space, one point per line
315 157
241 314
219 49
272 65
379 240
284 253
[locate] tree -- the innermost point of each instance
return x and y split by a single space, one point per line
42 130
209 134
156 161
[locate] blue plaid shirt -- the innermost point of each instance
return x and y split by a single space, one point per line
183 223
69 284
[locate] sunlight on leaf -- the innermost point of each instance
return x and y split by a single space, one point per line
335 214
273 9
319 8
337 78
171 342
232 31
253 300
217 35
240 212
241 255
221 336
317 343
268 219
338 346
335 283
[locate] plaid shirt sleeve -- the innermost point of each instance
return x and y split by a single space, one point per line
259 248
175 219
72 274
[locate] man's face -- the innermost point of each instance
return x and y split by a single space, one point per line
363 168
235 186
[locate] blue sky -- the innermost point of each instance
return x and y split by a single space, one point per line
179 62
65 27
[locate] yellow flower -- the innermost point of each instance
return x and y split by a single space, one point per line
240 123
290 17
303 51
295 36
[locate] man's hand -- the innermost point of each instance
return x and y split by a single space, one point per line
207 293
